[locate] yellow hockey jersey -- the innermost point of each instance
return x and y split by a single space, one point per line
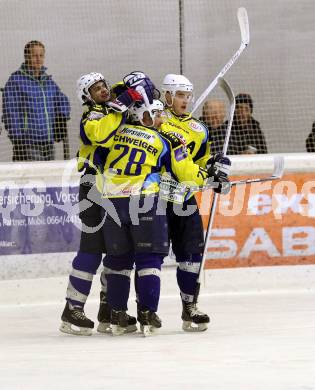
98 126
193 133
138 156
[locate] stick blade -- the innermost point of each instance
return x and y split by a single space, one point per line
230 94
278 166
244 24
227 89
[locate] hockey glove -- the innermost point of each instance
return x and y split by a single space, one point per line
125 100
141 83
218 168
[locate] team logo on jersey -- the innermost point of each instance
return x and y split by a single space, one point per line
94 115
180 137
196 126
138 133
180 154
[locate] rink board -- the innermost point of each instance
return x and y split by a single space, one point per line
263 224
257 225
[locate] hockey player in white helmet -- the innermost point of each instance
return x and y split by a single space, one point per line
177 92
102 117
93 88
186 232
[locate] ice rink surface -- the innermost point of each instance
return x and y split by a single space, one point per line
262 341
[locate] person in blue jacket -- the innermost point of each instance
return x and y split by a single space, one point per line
34 108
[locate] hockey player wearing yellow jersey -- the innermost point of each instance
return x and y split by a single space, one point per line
138 233
186 232
102 117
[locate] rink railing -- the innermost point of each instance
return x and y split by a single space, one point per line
44 245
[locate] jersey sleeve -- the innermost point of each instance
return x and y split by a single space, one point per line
184 168
179 163
204 153
98 126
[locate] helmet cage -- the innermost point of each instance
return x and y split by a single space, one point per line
136 112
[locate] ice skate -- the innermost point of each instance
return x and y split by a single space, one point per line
149 322
119 322
193 319
104 314
75 322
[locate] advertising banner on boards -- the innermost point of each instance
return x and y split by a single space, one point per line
261 224
270 223
38 220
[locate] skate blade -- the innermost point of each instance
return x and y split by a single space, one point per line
104 327
66 327
131 328
148 330
118 330
189 326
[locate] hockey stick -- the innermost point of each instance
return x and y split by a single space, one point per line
278 169
244 27
277 173
228 90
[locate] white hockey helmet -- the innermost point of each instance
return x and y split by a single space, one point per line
85 82
176 82
136 112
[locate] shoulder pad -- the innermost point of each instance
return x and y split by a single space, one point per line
173 140
95 112
95 115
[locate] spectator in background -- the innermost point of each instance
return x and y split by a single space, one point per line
246 135
213 115
310 140
35 110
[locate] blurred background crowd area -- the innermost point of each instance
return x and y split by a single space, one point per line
193 37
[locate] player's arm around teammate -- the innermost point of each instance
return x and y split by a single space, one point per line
100 121
137 232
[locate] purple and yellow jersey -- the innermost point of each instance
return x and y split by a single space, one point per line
193 133
98 126
138 156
